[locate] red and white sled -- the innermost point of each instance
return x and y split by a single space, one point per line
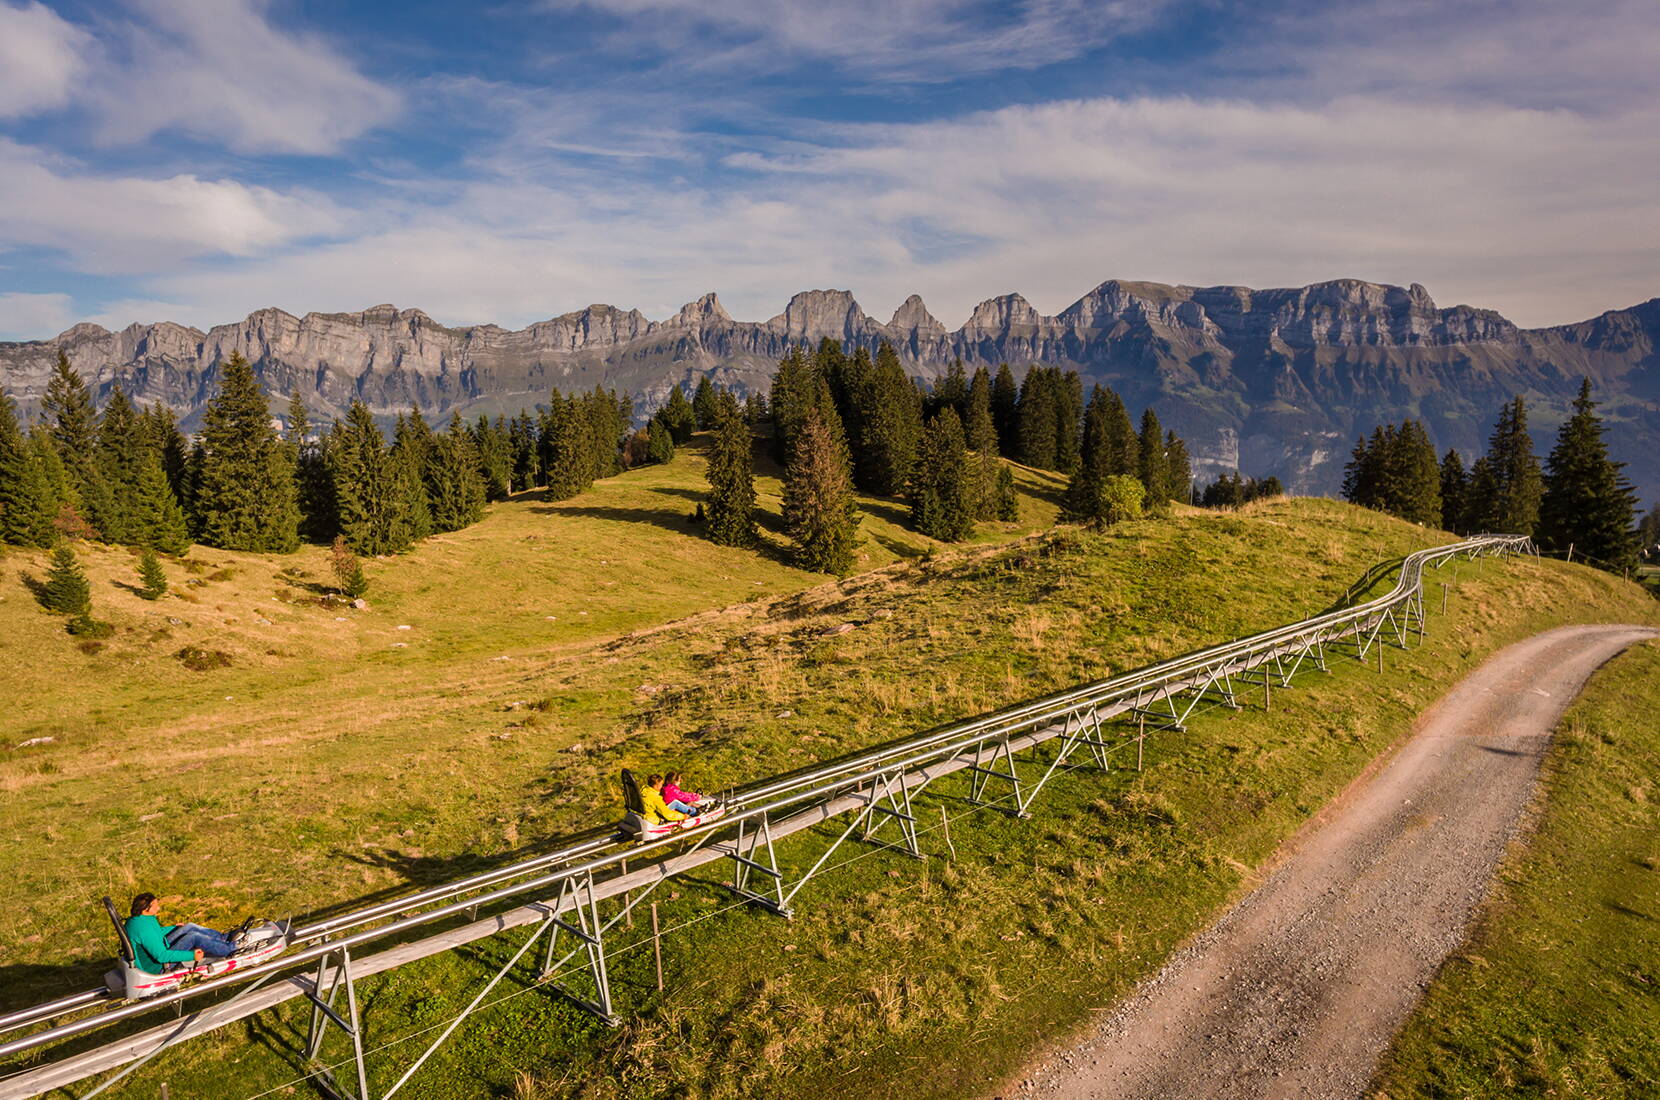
261 941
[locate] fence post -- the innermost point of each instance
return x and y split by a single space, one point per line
657 946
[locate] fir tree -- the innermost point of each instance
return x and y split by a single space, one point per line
705 404
1179 467
454 485
312 491
659 443
1518 484
522 439
729 516
348 570
245 499
1587 503
27 506
1006 502
66 590
1038 417
73 425
122 446
367 486
1123 446
678 416
152 581
412 457
155 519
1005 411
1454 498
940 489
950 392
820 513
1081 501
892 418
1152 467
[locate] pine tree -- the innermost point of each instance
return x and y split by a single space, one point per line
940 489
1037 418
155 519
1454 498
1123 446
66 590
1081 501
73 425
704 404
678 416
412 456
891 415
367 486
122 444
659 443
1587 503
313 493
1515 469
454 485
820 513
525 445
152 581
26 503
730 519
950 392
245 499
1005 412
495 457
1179 467
1151 466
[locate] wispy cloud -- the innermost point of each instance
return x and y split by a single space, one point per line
41 56
41 314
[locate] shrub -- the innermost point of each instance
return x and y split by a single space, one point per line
66 590
1122 497
149 572
348 570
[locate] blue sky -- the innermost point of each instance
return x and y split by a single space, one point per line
507 161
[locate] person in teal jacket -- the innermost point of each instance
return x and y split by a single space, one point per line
158 947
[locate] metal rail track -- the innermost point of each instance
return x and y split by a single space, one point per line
560 891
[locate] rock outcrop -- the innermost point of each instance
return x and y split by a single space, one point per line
1271 381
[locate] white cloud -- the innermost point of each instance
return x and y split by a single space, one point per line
34 316
124 224
41 56
219 69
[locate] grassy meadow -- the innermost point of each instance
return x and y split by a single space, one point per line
339 757
1557 992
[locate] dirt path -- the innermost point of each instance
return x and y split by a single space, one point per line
1299 988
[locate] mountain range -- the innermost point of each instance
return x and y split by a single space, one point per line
1267 381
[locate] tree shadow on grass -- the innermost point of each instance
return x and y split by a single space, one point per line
669 520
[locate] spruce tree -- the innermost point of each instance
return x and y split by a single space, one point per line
678 416
705 404
1081 500
1179 468
26 503
950 392
522 438
1123 446
412 455
66 590
1005 411
313 494
659 443
162 429
1418 486
495 457
1454 486
123 443
1151 466
940 489
1006 501
1038 417
152 581
981 434
1481 499
245 499
891 414
1517 481
755 408
794 385
820 513
348 570
73 425
367 486
730 519
1069 411
155 519
455 487
1587 503
566 448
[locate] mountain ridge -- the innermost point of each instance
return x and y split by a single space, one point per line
1275 380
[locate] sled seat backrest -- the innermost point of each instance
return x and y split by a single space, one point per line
631 793
120 931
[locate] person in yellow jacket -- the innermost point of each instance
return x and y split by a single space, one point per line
656 810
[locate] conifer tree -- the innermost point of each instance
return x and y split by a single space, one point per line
820 513
730 519
1648 532
950 392
245 499
122 445
1069 411
1123 446
413 445
1179 467
606 416
66 590
1038 417
1587 503
58 495
154 517
73 425
849 378
755 408
794 388
152 581
1517 482
981 435
312 490
26 503
940 490
678 416
348 570
704 404
368 488
454 485
495 456
1082 499
1417 486
1152 467
659 443
1454 485
169 443
526 463
1005 411
1481 499
891 414
1006 502
567 452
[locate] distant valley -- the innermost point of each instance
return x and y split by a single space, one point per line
1268 381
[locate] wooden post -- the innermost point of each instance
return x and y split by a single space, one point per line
628 909
1570 551
1379 641
1267 689
1140 738
1443 597
945 823
657 946
164 1093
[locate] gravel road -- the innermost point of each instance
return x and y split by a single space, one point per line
1298 989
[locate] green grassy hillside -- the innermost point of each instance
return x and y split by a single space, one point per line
333 773
1557 993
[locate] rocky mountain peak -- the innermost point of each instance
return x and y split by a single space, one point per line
999 314
913 317
815 314
703 311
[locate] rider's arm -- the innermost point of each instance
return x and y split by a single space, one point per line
150 935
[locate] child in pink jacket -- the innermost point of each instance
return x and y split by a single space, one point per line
673 793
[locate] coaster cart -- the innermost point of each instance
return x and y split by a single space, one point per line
261 940
638 827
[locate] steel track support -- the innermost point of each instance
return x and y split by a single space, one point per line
893 804
984 769
577 895
323 1013
1078 730
752 853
